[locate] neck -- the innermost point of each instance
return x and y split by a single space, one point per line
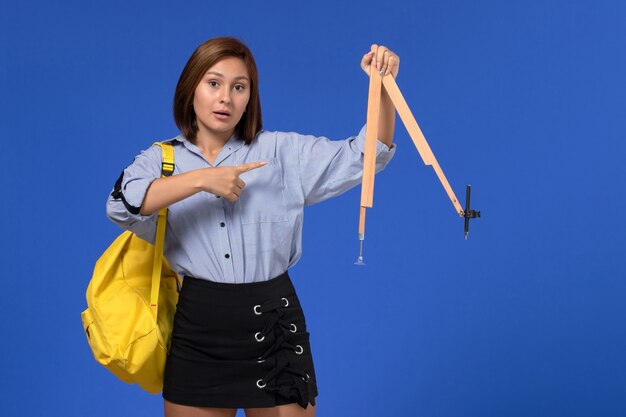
211 141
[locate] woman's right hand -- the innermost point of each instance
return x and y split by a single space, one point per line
225 182
221 181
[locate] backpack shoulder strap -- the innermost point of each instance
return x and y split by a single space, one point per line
167 168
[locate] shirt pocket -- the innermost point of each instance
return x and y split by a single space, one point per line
263 198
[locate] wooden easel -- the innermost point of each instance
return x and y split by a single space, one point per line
369 161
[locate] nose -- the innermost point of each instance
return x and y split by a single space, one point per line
225 96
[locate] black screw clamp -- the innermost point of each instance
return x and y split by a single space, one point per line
468 213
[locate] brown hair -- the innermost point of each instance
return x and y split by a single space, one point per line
204 57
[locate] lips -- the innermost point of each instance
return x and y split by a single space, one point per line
221 114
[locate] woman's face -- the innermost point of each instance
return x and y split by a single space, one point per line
221 97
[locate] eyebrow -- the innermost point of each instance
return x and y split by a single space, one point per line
241 77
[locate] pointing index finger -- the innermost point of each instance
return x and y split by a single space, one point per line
250 166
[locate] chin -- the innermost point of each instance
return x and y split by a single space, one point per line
218 128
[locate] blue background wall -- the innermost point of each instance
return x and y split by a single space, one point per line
523 99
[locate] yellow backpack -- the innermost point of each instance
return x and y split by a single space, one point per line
131 301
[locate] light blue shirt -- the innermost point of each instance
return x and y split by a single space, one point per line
260 235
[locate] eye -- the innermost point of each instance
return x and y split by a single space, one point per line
240 87
213 83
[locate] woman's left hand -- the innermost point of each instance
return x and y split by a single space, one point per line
382 59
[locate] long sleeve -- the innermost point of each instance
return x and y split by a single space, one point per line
329 168
123 204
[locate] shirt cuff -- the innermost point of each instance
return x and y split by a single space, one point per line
135 191
380 146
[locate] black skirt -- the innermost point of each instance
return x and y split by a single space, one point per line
239 346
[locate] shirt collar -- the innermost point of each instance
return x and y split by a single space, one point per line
232 145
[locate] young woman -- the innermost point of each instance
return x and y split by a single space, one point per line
234 229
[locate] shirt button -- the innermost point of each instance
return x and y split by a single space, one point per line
227 256
217 196
222 224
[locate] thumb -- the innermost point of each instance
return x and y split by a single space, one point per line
366 61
